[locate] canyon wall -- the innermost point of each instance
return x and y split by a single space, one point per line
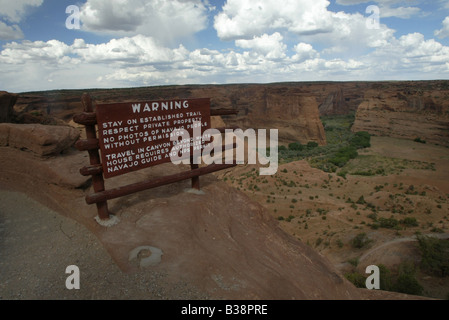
406 111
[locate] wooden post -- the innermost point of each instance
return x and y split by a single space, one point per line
94 156
195 179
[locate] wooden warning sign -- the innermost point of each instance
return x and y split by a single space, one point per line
136 135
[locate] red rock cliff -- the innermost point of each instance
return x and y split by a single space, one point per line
406 112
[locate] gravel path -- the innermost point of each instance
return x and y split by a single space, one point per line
37 245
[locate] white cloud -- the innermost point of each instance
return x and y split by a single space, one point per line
10 32
243 19
135 50
52 52
399 12
13 11
410 54
443 32
338 32
304 51
164 20
143 60
270 46
389 8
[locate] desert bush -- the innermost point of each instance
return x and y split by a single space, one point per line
361 139
295 146
409 222
406 281
361 200
312 144
418 139
434 255
357 279
343 155
361 240
389 223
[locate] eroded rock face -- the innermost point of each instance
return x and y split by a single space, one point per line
40 139
7 101
408 114
294 114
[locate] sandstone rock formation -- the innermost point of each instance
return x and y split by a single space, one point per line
260 105
40 139
7 101
408 113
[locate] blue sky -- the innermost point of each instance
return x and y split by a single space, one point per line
129 43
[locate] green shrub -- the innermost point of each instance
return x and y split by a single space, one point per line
406 281
312 144
343 155
409 222
389 223
296 146
385 278
361 200
434 255
361 139
419 140
357 279
361 240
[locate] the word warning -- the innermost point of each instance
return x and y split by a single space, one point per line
136 135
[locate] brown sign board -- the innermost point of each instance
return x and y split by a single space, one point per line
136 135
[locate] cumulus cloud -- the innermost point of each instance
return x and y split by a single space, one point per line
10 32
443 32
270 46
243 19
247 20
164 20
13 11
410 54
304 51
143 60
53 52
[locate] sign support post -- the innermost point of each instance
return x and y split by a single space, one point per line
94 157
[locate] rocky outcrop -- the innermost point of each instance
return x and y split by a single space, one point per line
408 114
7 101
40 139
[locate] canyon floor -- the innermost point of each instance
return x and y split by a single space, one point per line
325 211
